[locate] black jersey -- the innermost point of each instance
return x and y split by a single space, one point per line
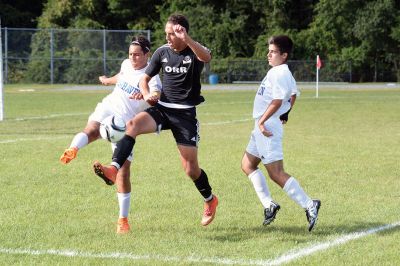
180 75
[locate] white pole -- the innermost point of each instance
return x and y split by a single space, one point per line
1 77
316 89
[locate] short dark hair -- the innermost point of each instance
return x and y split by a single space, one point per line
283 42
142 42
179 19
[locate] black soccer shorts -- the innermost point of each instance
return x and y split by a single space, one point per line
182 123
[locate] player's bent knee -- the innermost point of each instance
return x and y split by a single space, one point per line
247 167
193 173
132 129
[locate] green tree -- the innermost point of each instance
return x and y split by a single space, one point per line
373 28
19 14
393 55
355 31
284 17
219 32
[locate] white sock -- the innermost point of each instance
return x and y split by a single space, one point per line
296 193
124 202
80 140
261 187
116 165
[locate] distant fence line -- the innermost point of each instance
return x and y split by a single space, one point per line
80 55
63 55
303 70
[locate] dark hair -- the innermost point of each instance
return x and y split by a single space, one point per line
283 42
179 19
142 42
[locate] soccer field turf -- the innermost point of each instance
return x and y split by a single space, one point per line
342 147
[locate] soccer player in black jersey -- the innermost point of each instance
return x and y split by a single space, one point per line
181 61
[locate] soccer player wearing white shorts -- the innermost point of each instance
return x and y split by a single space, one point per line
118 103
272 104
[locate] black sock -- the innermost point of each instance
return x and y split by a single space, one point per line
123 150
202 185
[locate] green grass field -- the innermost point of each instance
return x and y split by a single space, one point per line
342 147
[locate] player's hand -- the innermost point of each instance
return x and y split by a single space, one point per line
102 80
152 98
265 131
180 32
136 96
285 117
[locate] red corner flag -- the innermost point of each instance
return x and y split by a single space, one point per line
319 62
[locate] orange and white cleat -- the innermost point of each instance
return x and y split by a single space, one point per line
210 208
68 155
123 226
107 173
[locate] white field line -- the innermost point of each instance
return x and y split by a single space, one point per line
32 139
296 254
47 116
62 137
286 258
226 122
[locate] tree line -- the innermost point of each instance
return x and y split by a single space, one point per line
364 32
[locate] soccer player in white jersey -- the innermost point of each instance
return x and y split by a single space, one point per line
119 103
273 101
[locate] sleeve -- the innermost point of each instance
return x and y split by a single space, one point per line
293 86
124 65
279 86
155 64
155 84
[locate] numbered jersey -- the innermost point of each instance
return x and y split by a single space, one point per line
277 84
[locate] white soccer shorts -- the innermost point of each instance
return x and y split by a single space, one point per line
100 113
268 149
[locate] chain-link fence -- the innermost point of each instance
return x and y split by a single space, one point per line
250 70
80 56
63 55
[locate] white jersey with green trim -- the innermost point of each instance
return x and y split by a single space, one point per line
128 83
277 84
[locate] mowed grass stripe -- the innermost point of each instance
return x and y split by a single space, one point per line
343 150
291 255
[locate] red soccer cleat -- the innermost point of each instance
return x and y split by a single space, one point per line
123 226
107 173
210 208
68 155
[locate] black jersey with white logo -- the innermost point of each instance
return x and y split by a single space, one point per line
180 75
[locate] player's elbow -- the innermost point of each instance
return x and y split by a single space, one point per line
207 58
144 80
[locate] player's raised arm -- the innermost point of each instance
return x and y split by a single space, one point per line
202 53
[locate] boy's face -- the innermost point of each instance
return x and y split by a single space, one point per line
173 41
275 57
137 57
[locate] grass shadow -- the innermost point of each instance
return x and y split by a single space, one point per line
296 233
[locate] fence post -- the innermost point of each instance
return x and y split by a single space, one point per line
5 78
148 35
51 57
104 53
350 72
1 77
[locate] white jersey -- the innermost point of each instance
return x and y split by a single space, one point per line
128 82
277 84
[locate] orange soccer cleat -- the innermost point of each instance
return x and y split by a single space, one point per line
123 226
210 208
107 173
68 155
